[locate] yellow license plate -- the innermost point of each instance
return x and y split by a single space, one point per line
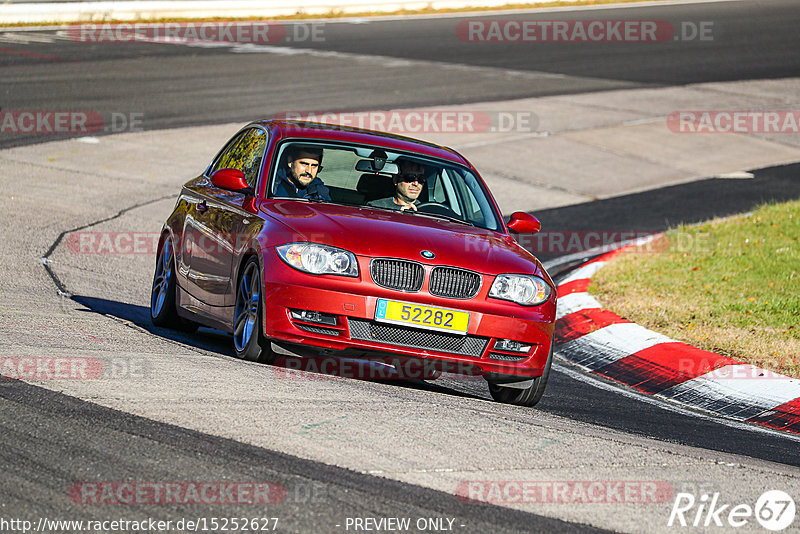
430 317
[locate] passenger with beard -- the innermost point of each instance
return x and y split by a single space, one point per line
299 178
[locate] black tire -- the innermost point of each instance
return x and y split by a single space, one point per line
162 294
249 342
529 396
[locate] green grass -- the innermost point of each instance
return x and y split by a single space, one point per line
731 286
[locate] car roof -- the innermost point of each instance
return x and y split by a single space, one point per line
314 130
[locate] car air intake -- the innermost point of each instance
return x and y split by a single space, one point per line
401 275
454 283
419 339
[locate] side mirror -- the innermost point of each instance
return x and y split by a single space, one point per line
524 223
231 179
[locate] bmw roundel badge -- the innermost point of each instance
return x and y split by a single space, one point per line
427 254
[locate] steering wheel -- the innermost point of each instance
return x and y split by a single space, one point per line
436 208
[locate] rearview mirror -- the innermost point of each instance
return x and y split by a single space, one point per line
524 223
378 158
231 179
367 165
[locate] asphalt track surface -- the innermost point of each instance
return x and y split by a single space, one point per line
316 494
50 440
182 85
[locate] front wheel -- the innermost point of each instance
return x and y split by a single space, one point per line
249 342
529 396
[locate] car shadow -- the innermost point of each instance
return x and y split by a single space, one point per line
205 338
335 367
407 372
311 367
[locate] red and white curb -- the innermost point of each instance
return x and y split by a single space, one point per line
605 344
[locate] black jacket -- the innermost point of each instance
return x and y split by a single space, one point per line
316 190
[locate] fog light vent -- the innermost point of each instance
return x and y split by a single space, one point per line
509 345
310 316
505 357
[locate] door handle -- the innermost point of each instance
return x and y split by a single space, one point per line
202 207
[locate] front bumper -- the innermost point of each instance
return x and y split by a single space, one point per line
350 303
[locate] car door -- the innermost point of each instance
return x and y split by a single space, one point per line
221 220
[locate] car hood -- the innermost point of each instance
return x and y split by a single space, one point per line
377 233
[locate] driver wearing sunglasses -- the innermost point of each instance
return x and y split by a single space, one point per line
408 184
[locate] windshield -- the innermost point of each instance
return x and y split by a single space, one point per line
375 178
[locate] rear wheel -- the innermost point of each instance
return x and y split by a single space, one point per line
163 311
249 342
528 396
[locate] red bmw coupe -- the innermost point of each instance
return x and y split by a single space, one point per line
350 243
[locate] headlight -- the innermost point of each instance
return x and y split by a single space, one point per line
318 259
524 289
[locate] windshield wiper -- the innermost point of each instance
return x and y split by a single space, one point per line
425 213
441 216
318 200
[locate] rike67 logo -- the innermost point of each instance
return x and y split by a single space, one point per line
774 510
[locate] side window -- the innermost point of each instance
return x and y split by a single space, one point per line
245 154
471 207
444 193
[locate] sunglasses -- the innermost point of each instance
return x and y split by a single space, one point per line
411 177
